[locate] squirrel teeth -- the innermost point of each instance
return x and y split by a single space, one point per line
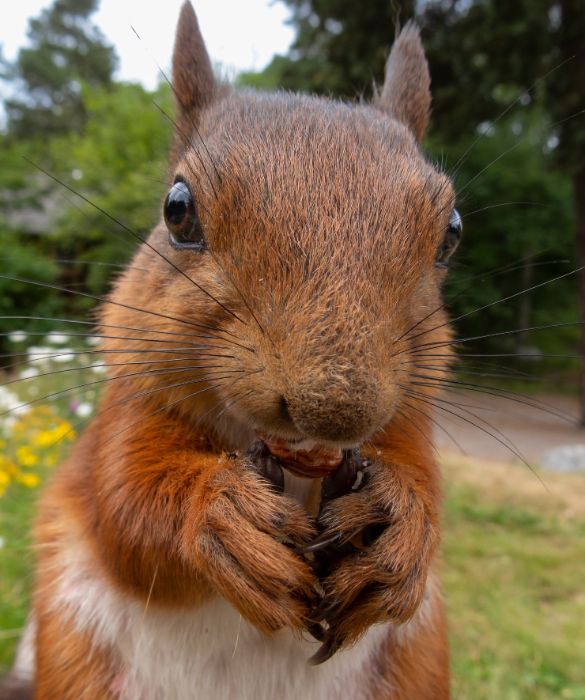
306 457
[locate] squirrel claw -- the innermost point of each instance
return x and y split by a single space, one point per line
316 630
343 480
329 647
324 540
266 465
324 610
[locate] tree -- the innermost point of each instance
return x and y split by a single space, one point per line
66 50
566 98
517 216
505 48
23 252
118 162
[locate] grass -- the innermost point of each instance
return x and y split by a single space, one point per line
513 573
16 561
514 579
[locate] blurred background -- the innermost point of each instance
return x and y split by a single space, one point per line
81 95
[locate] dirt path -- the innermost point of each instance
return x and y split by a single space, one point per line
532 431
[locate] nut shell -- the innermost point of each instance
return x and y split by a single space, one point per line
314 463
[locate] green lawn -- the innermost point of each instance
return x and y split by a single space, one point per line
513 574
514 579
16 512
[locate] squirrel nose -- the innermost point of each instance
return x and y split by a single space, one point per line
340 412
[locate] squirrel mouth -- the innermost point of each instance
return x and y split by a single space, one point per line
305 457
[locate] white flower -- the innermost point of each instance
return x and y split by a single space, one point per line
94 340
84 410
56 338
64 355
29 373
40 353
8 400
8 422
99 368
17 336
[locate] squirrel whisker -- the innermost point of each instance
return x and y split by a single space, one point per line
106 300
104 380
137 237
109 325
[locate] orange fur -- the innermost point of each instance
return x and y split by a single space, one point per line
416 670
322 223
68 665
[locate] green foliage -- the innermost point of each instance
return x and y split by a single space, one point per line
566 93
480 53
66 49
23 252
340 47
22 260
275 76
518 219
118 163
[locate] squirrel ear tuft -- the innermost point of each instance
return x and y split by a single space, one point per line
193 80
406 94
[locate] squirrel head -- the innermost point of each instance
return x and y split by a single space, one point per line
301 239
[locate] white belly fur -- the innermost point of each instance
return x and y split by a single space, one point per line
210 653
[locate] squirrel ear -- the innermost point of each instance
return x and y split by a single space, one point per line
406 94
193 80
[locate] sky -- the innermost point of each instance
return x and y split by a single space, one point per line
240 34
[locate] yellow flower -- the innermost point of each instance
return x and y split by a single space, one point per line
29 480
36 442
4 481
7 466
64 430
26 457
44 438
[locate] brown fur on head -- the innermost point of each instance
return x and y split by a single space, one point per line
322 222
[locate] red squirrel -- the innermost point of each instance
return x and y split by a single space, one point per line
254 512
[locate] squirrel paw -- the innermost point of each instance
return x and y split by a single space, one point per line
242 536
372 554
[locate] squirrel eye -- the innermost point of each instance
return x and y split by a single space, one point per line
181 218
451 240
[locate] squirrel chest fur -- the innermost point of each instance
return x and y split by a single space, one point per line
259 486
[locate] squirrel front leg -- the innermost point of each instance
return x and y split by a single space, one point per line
378 537
179 522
